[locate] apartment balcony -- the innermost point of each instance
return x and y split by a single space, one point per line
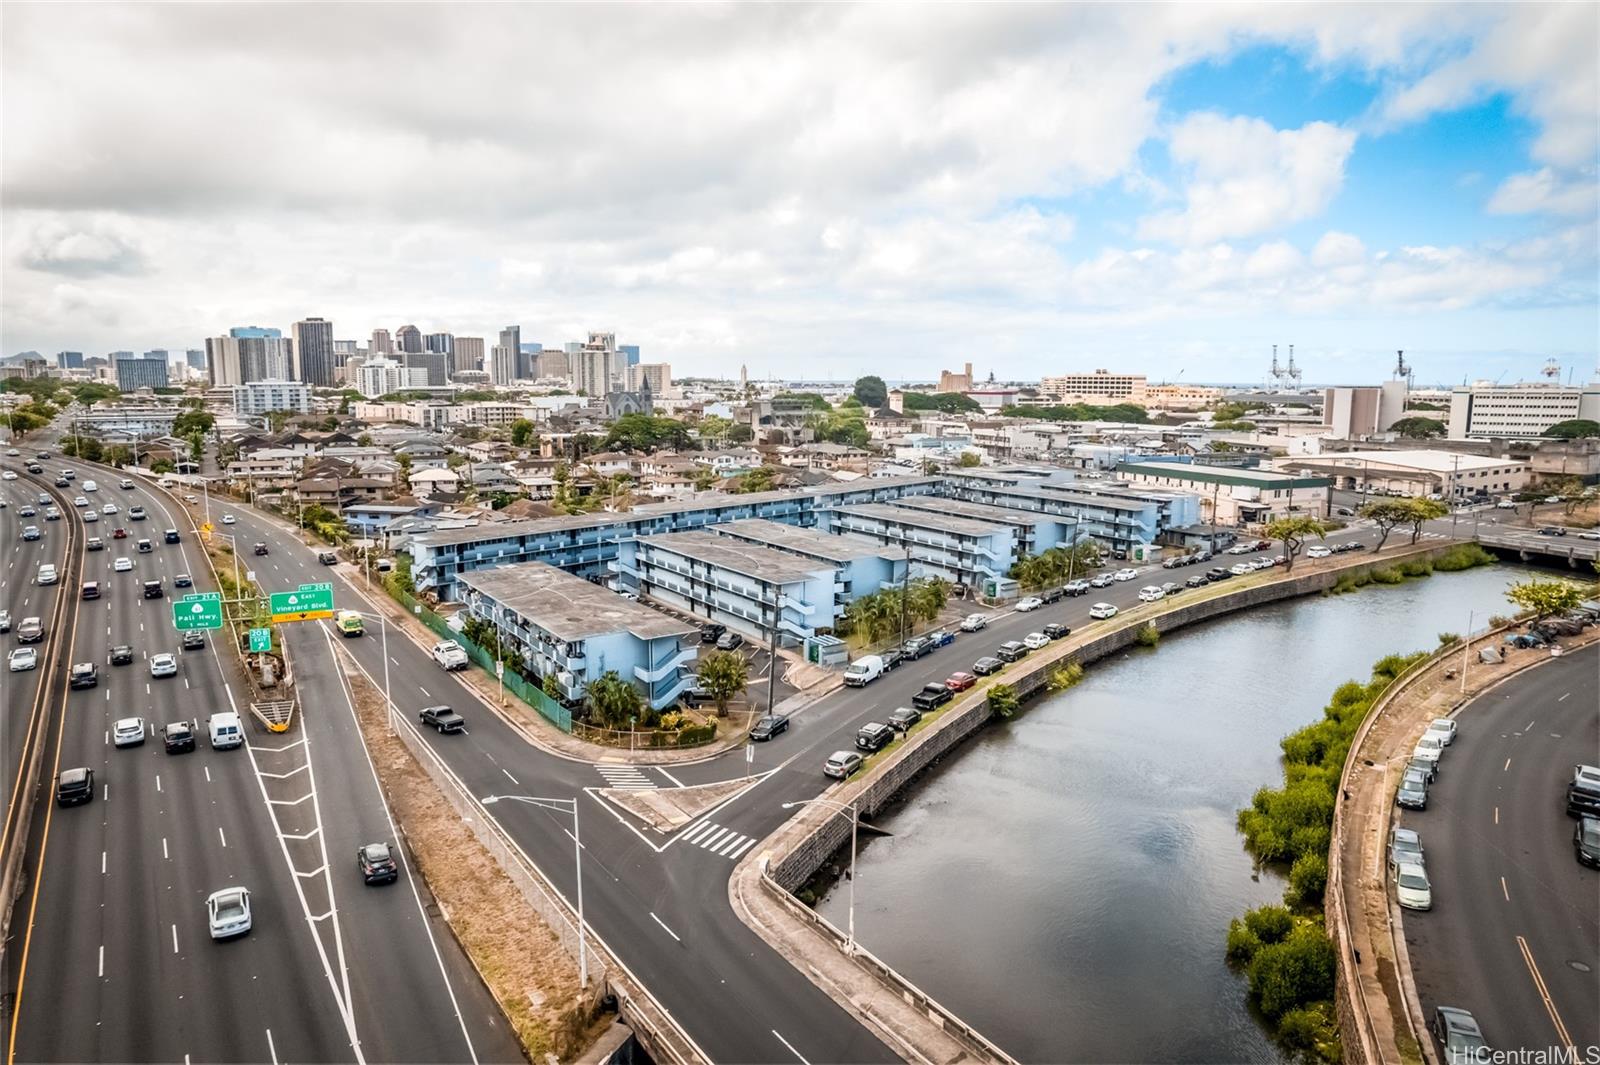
684 656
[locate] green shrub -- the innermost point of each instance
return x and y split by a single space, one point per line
1003 701
1417 567
1499 621
1148 635
1463 556
1308 877
1295 972
1269 924
1448 638
1312 1029
1242 943
1064 677
1387 575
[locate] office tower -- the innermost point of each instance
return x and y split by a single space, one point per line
502 364
245 331
159 353
313 356
196 358
511 339
572 347
434 364
381 344
591 370
552 363
630 352
657 374
466 354
408 338
69 360
134 372
438 342
222 361
346 348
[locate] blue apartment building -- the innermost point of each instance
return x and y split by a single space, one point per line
961 550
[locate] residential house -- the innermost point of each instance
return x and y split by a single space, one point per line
429 484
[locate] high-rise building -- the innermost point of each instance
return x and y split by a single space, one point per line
381 344
313 353
243 331
502 364
379 376
1521 411
223 362
69 360
552 362
466 354
657 375
135 372
346 348
408 338
511 337
159 353
591 370
438 342
435 365
196 358
631 353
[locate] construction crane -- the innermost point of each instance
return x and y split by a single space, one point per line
1402 372
1291 372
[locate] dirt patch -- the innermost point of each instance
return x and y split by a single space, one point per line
531 976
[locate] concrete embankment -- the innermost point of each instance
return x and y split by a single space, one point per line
762 887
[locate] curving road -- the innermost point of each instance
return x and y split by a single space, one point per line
1514 933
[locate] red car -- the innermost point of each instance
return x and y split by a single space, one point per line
960 682
119 533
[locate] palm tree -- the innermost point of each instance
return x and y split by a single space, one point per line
612 701
723 675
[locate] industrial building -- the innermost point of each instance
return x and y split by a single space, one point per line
1482 412
1233 495
568 628
1420 472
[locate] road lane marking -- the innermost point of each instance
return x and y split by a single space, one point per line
792 1050
158 781
1544 993
271 1049
1497 815
1529 728
208 773
669 776
175 950
164 847
102 970
1504 890
1563 698
664 927
1506 766
102 863
224 838
509 777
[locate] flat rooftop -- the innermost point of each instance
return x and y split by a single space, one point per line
1417 459
834 548
1188 471
922 519
567 607
980 511
763 563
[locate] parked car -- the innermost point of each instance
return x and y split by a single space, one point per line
1101 581
768 726
1197 581
960 682
940 638
873 736
1411 887
1056 631
712 633
1102 611
1036 641
730 641
1150 593
1318 551
1583 790
1413 793
1217 573
1011 651
986 665
932 695
841 764
1404 846
1125 575
864 671
1077 587
1032 602
902 719
1430 748
1444 728
891 658
915 648
974 622
1459 1035
442 718
1586 841
377 864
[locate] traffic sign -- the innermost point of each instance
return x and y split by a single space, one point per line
197 612
260 640
306 603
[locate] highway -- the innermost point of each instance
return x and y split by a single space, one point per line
115 960
1514 933
660 902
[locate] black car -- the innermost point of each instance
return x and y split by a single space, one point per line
170 536
178 737
915 648
874 736
1217 573
152 590
377 864
769 726
121 655
932 695
1586 841
84 675
730 641
193 640
986 665
327 558
891 658
1052 595
261 549
74 786
902 719
1197 581
1056 632
1012 651
442 718
182 580
712 633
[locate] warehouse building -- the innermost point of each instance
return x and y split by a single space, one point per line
1232 495
1419 472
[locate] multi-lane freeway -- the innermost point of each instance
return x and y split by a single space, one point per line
111 956
1514 933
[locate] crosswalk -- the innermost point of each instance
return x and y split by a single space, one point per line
724 842
625 777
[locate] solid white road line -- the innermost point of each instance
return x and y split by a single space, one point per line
164 848
224 838
208 773
792 1050
653 917
102 971
271 1049
1505 890
509 777
175 950
102 863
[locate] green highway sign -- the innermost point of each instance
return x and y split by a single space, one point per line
305 603
260 640
197 612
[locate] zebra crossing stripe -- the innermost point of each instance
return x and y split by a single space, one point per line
746 845
697 830
727 847
711 839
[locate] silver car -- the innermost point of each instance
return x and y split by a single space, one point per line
228 912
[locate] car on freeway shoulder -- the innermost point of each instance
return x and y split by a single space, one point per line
1032 602
442 718
841 764
377 864
1458 1034
22 659
163 665
128 732
228 912
1411 887
768 726
1102 611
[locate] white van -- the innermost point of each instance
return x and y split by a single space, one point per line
863 671
225 730
1150 593
90 486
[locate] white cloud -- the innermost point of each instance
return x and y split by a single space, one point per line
1248 178
1545 192
1338 249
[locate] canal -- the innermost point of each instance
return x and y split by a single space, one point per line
1065 882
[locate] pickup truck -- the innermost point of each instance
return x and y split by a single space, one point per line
442 718
449 655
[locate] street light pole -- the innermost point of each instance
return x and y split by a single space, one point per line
577 857
855 821
388 703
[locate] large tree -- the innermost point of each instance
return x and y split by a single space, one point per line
1420 511
1418 428
723 675
1387 515
1543 597
613 702
871 391
521 432
1574 429
1294 532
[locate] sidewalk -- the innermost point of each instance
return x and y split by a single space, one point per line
1374 968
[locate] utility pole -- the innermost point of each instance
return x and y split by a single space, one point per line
905 590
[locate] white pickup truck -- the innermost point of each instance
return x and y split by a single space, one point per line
449 655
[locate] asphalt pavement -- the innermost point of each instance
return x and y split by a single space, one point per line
1514 933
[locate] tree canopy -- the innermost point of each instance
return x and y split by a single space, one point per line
1080 412
943 402
647 432
1294 532
723 675
192 421
1574 429
1418 428
1544 597
871 391
521 432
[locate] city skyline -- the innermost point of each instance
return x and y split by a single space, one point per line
1164 190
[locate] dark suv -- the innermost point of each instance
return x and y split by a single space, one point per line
915 648
74 786
178 737
377 864
874 736
170 536
152 590
711 633
84 675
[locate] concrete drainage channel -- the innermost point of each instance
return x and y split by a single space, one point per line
790 857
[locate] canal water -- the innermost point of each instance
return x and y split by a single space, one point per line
1065 882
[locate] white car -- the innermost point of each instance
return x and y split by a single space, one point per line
1032 602
1429 749
109 508
122 565
1035 641
1150 593
1444 728
228 519
163 665
1239 569
1318 551
48 574
24 658
1241 549
1125 575
1101 611
228 912
8 475
1506 504
80 501
1101 581
128 732
974 622
1552 499
1411 887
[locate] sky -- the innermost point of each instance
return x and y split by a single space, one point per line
819 191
